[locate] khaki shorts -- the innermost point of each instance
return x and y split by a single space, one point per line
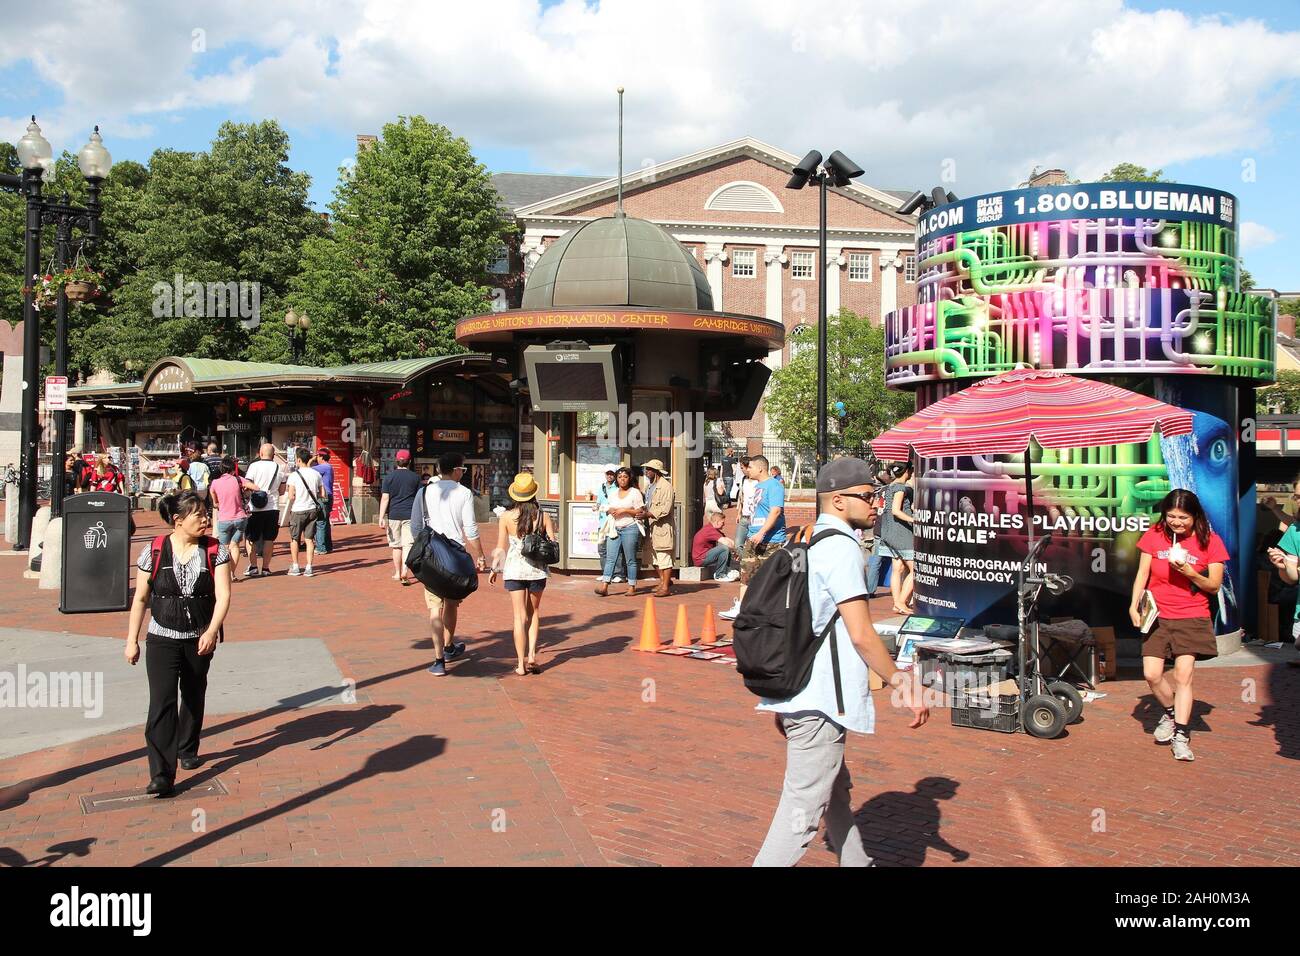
661 560
435 603
399 532
1175 637
752 557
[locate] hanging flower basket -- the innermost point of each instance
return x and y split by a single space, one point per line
81 291
80 283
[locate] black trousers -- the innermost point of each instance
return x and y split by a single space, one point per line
169 733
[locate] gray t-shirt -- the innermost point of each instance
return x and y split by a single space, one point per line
897 534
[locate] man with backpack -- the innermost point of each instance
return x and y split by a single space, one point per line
809 662
447 507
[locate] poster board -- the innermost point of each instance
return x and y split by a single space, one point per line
584 530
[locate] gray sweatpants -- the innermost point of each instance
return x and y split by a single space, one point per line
816 782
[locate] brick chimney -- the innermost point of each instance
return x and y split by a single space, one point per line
1286 325
1049 177
365 141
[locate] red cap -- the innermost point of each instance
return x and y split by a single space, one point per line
403 455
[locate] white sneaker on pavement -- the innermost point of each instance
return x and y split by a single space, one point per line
1165 729
730 613
1182 748
307 572
293 570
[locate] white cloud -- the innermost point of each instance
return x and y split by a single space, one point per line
1081 84
1254 235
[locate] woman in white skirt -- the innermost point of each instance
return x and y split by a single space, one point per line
525 580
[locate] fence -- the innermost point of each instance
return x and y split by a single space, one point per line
798 464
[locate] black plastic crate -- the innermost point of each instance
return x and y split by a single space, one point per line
997 713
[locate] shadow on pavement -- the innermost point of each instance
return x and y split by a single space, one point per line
11 857
17 794
1147 712
1283 715
396 759
898 828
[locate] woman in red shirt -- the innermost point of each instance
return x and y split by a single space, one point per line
1182 566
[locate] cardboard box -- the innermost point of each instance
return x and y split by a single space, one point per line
1105 638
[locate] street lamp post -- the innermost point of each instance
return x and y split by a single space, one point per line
37 159
296 325
838 170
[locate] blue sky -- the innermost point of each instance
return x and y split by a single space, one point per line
1204 90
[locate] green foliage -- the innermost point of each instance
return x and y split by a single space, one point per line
855 376
236 213
1284 396
1133 173
415 224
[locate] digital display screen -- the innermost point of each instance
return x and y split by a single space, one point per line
931 626
571 382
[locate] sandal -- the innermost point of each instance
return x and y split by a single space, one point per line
602 589
533 667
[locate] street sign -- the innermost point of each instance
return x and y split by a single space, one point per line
56 393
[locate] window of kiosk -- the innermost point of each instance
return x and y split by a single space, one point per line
553 456
451 400
652 407
594 452
409 403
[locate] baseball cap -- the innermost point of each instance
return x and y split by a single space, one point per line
843 473
403 455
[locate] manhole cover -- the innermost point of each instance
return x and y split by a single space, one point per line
100 802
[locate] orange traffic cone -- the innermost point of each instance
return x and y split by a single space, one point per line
682 633
710 633
649 629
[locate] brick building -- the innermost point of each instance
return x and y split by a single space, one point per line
756 240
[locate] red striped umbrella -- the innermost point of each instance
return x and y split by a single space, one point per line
999 415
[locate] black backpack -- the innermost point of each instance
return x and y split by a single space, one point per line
773 634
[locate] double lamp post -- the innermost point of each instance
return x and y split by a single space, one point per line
838 170
37 160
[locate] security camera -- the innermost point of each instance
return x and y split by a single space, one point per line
842 168
807 166
914 202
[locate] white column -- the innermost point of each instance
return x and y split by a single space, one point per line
714 257
889 265
834 260
774 259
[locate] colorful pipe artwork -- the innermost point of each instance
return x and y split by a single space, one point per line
1136 282
1090 296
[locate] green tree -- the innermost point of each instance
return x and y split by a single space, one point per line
855 376
1284 396
1133 173
236 213
415 224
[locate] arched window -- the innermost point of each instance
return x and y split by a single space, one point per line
744 196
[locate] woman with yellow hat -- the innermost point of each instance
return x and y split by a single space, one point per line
525 579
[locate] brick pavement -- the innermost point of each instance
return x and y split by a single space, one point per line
615 757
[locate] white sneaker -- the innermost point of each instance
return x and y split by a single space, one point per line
1182 748
730 613
307 572
1165 729
293 570
730 576
617 579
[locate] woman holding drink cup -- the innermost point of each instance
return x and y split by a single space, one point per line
1181 565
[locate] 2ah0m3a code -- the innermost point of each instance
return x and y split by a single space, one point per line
1193 897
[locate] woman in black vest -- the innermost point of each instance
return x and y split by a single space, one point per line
188 597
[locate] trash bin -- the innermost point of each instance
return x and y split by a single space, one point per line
96 553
